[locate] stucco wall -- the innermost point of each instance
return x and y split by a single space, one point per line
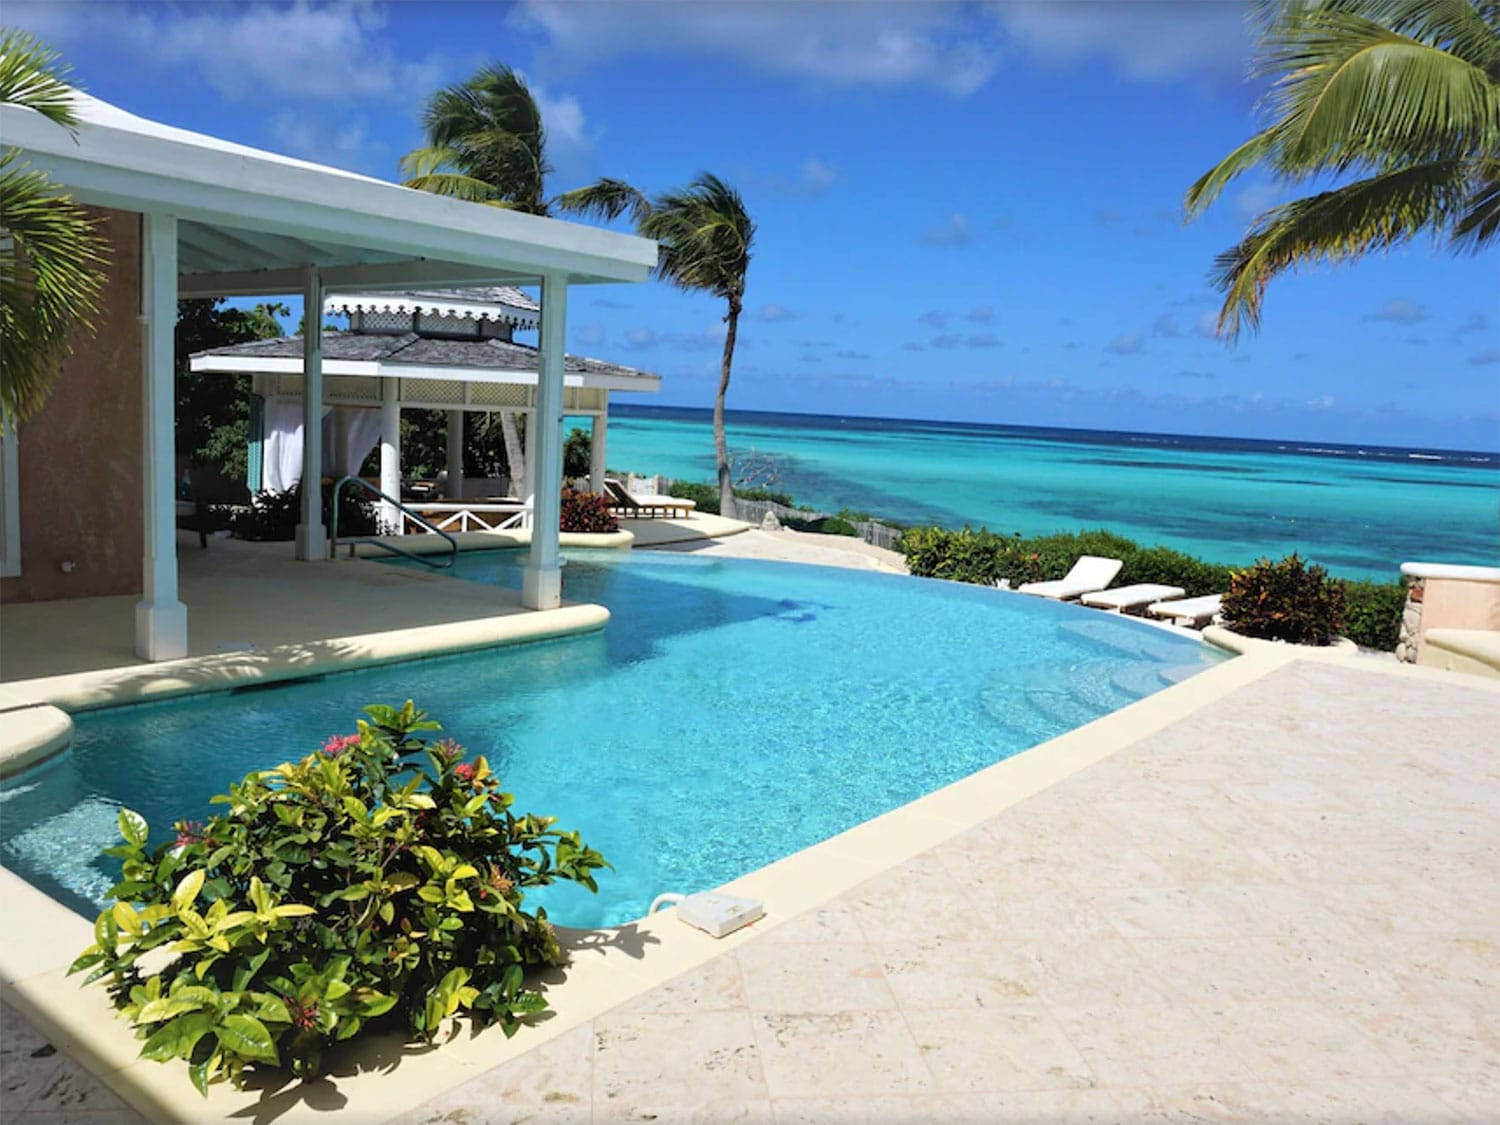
80 457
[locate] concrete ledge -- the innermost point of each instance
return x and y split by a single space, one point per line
1451 571
32 734
87 691
488 541
1475 651
1230 641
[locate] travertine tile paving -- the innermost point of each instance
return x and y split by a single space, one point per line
1288 910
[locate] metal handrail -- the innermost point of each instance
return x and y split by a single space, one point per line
338 492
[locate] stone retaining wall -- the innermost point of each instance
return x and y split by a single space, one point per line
1411 621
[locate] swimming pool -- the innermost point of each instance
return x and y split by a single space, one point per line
733 711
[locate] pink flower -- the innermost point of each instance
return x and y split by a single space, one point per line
188 832
464 771
338 743
449 749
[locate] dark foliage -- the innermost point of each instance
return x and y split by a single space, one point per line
1287 600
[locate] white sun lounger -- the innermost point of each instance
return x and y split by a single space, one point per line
1123 598
1189 611
1089 573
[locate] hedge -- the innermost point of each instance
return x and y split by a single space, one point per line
1372 609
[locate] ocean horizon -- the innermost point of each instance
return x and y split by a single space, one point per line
1360 509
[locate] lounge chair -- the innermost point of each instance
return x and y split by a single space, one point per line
1089 573
1123 599
1196 612
627 506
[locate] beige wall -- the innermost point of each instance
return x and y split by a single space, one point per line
80 457
1448 603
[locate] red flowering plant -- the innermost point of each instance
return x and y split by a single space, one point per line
376 884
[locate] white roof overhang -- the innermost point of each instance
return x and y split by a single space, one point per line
252 222
272 365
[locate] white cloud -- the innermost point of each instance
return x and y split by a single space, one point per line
1129 344
1166 325
314 138
1206 324
1254 200
1486 357
954 232
589 335
334 52
772 312
1147 40
950 46
933 319
639 339
1321 402
817 175
562 117
981 314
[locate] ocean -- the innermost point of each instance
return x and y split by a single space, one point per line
1361 511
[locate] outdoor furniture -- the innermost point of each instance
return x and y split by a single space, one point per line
1196 612
1123 599
192 517
628 506
1089 573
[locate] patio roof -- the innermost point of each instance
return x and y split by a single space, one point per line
250 222
490 302
409 356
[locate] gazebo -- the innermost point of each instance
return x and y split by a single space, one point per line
189 215
431 349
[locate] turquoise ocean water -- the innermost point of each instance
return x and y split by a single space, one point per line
1361 511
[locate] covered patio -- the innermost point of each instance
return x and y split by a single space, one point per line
204 217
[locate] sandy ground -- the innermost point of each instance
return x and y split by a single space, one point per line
797 546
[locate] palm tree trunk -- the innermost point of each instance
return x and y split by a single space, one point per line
515 454
721 447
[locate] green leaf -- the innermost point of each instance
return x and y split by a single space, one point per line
199 1073
248 1037
177 1039
169 1006
133 828
187 890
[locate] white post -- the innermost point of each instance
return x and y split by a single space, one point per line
390 454
528 467
455 454
160 618
312 536
597 431
541 581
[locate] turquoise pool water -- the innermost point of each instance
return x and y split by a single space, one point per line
733 712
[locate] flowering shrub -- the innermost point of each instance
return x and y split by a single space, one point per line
586 511
375 884
1285 601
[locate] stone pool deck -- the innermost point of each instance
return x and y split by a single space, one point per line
1282 907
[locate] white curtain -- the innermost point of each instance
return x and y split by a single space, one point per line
281 460
361 425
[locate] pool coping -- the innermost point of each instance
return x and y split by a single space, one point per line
609 966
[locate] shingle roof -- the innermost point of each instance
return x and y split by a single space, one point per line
494 355
498 302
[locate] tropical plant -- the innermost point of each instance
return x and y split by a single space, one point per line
1288 600
376 884
1403 95
51 258
704 236
586 511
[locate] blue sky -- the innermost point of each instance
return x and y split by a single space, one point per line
966 211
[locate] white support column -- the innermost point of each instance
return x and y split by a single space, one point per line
528 465
455 454
390 454
541 581
312 535
160 618
597 431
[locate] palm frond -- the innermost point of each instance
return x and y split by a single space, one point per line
606 199
1356 93
51 278
1479 225
704 234
31 76
1208 186
1336 226
1458 26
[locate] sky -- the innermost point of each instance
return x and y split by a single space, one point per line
966 211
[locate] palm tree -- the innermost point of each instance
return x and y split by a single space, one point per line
1402 94
486 144
704 236
51 259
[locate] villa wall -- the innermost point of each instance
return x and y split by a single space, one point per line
80 457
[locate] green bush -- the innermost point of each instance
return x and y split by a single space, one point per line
274 516
828 525
586 511
374 885
1287 600
1372 613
